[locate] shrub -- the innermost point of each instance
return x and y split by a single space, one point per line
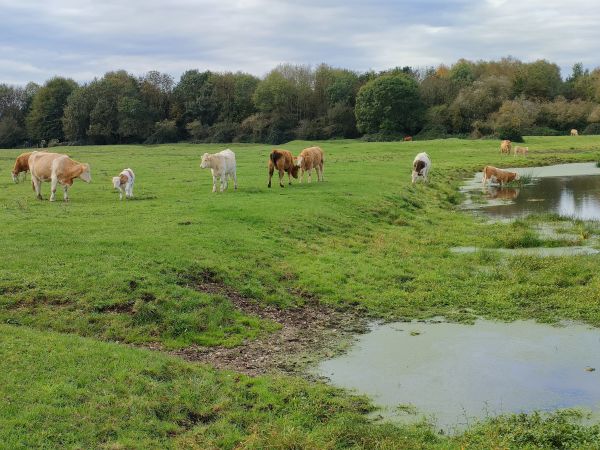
592 128
164 131
223 132
197 130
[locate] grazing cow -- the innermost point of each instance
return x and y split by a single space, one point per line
56 168
309 159
124 183
283 161
222 166
421 167
574 132
407 138
21 165
498 175
505 147
521 150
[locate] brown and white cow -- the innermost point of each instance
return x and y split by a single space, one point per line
21 165
505 146
311 158
574 132
56 168
407 138
282 161
498 175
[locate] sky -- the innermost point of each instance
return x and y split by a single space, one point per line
83 39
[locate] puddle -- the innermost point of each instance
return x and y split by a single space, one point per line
533 251
569 190
455 374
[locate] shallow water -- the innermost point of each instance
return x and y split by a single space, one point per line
457 373
543 252
569 190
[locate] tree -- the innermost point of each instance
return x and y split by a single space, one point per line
513 118
44 121
389 104
11 133
538 80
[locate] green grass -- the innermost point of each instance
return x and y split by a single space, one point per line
366 240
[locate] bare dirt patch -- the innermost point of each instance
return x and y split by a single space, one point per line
307 333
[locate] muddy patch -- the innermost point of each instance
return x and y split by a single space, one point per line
307 334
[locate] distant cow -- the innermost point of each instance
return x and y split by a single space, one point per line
421 167
124 183
505 147
407 138
309 159
222 166
574 132
21 165
500 176
283 161
521 150
56 168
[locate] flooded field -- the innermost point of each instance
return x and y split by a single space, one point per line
455 374
569 190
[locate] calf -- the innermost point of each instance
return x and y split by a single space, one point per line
21 165
283 161
124 183
498 175
407 138
222 165
574 132
521 150
421 167
505 147
309 159
56 168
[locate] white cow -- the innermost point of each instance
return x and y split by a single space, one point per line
421 167
222 165
124 183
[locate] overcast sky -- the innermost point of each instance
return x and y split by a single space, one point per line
83 39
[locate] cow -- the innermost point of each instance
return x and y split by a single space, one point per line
222 166
498 175
505 147
56 168
21 165
574 132
124 183
407 138
421 167
309 159
283 161
520 150
503 193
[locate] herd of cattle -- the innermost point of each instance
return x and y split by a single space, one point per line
60 169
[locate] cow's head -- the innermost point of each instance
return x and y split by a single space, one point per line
116 182
205 163
517 176
294 170
85 175
15 176
298 161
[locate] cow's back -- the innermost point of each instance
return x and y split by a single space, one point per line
41 164
227 159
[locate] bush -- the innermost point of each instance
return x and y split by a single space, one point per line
541 131
165 131
54 143
592 128
11 134
310 130
223 132
197 130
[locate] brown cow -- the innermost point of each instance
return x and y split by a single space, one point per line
283 161
500 176
309 159
505 147
56 168
407 138
21 165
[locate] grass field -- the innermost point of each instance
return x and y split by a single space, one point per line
365 242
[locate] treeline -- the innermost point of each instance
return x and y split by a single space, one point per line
503 99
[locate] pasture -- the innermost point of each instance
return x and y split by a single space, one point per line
90 281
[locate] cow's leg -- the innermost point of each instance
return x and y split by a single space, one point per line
301 176
310 175
37 186
289 177
234 180
121 189
53 183
281 177
214 189
271 170
66 192
223 182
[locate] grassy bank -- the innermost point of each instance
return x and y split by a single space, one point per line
365 242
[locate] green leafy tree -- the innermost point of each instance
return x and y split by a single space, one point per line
389 104
44 121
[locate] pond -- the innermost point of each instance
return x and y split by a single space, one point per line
569 190
454 373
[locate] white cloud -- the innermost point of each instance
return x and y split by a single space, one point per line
86 38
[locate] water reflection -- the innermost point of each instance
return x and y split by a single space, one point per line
572 196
